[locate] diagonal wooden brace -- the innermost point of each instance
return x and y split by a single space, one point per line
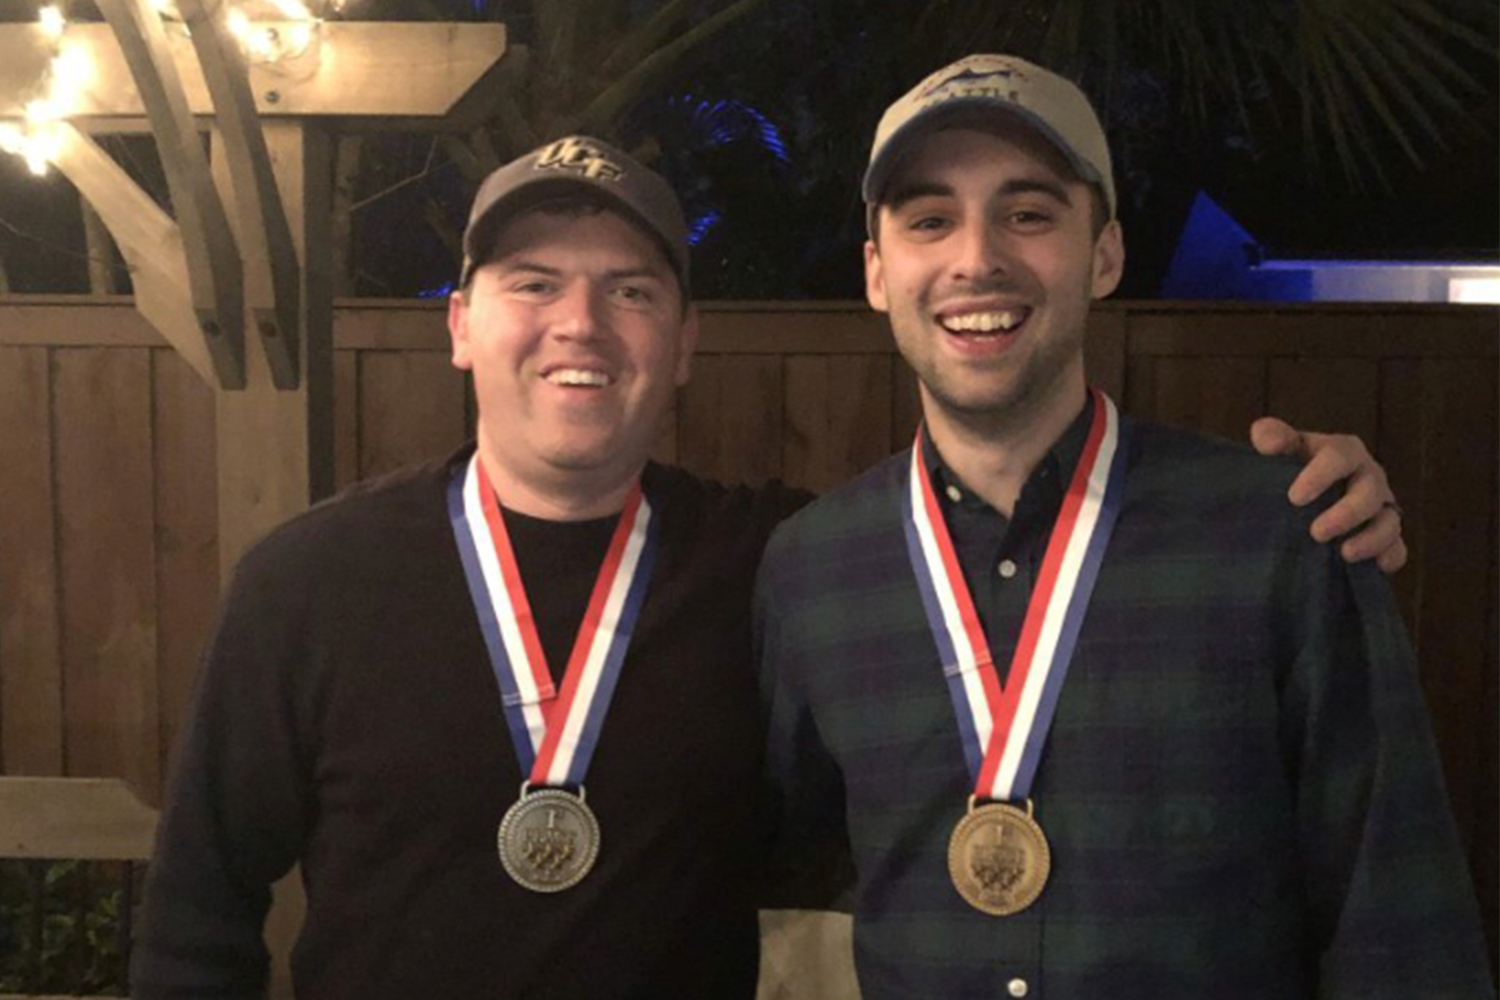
149 240
272 285
215 275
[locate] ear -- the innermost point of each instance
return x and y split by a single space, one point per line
1109 260
686 345
458 332
875 279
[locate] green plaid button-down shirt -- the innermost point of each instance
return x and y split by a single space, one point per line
1240 789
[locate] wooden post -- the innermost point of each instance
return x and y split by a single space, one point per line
276 445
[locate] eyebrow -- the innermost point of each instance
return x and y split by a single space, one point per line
523 266
920 189
631 273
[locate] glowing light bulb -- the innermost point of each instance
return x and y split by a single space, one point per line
73 67
293 10
52 21
36 159
238 24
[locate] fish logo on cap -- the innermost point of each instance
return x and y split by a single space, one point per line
974 83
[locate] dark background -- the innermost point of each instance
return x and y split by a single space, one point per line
764 126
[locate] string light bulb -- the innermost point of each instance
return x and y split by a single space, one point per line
52 21
71 69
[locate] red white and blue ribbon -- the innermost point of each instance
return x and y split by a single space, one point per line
1003 727
554 732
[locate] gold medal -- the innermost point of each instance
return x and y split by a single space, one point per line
549 839
998 858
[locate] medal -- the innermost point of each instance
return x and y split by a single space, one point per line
549 839
997 856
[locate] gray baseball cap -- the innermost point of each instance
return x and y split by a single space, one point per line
570 167
1052 105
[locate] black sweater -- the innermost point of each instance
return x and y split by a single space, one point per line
347 716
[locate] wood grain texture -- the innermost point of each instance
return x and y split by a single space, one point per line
411 409
345 418
731 418
1220 396
1458 496
88 818
906 405
1104 352
838 418
1326 394
183 451
1399 446
31 713
106 527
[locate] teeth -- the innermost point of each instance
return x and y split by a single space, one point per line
985 322
577 376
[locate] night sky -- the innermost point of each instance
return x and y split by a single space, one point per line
764 131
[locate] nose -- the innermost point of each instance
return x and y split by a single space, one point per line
981 252
578 313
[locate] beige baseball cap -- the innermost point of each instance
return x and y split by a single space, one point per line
569 167
1052 105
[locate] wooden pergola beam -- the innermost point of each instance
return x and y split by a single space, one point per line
369 75
149 240
215 272
272 286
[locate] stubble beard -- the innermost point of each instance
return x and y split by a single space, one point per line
1005 410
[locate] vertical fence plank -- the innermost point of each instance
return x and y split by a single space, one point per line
1398 445
838 417
411 409
184 450
1104 352
906 404
805 443
1486 854
859 390
31 719
345 418
1340 394
108 574
1220 396
1459 405
664 448
732 418
1139 394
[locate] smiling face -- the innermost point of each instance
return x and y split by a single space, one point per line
986 262
576 334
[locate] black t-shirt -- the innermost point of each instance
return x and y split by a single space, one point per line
559 563
348 717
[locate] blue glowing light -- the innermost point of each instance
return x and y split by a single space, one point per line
702 225
440 292
725 122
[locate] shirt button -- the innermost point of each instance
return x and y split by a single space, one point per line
1017 988
1008 570
954 493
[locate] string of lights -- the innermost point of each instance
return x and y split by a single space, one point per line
268 31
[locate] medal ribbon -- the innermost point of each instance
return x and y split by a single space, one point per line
1004 727
554 732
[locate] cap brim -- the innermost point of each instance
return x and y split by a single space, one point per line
899 143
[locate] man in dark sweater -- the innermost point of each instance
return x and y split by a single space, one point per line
500 708
1093 714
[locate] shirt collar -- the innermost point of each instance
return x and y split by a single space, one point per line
1044 488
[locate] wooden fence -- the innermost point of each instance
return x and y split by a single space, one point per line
108 555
